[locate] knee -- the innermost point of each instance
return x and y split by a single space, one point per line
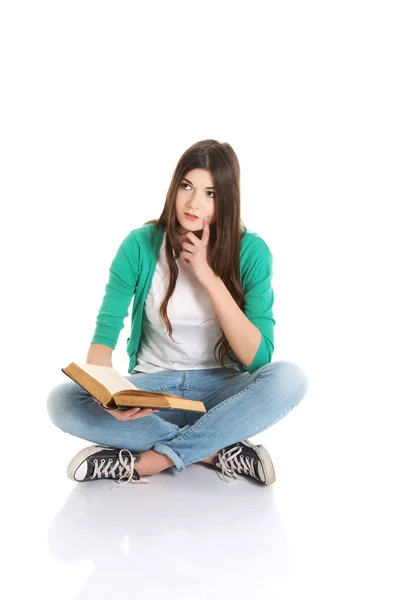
289 378
59 401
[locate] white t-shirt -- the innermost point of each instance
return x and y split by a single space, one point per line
195 326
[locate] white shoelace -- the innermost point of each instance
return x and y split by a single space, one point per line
230 461
125 469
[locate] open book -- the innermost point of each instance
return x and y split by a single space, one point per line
114 391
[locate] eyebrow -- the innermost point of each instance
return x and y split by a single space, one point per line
210 187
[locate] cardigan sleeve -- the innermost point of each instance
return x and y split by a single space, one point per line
259 300
119 291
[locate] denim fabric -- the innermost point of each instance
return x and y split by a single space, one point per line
239 405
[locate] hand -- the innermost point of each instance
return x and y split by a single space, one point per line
130 414
197 253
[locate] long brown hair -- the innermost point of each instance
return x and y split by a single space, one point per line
225 233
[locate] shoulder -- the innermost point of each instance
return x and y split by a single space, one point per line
141 238
142 234
253 247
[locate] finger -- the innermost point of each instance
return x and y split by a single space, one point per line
128 415
125 414
206 231
190 237
144 413
188 247
184 237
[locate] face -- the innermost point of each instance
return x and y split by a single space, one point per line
195 196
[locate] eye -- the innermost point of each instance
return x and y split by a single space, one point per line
209 192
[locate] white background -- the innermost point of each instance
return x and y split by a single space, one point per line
98 102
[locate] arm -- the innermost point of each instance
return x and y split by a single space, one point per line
98 354
250 332
121 286
243 337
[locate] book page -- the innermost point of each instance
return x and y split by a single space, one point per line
109 377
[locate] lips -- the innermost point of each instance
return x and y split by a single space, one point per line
189 216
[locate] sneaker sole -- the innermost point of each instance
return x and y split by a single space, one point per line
266 461
80 458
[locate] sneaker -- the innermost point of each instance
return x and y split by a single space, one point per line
247 458
104 462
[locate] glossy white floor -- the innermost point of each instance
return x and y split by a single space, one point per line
323 530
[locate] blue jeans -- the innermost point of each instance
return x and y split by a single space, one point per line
239 405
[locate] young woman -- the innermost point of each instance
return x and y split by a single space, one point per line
201 281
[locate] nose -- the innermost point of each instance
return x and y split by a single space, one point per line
195 210
196 197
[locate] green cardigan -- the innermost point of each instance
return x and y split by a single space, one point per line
131 273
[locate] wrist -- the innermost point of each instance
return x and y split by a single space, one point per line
209 278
